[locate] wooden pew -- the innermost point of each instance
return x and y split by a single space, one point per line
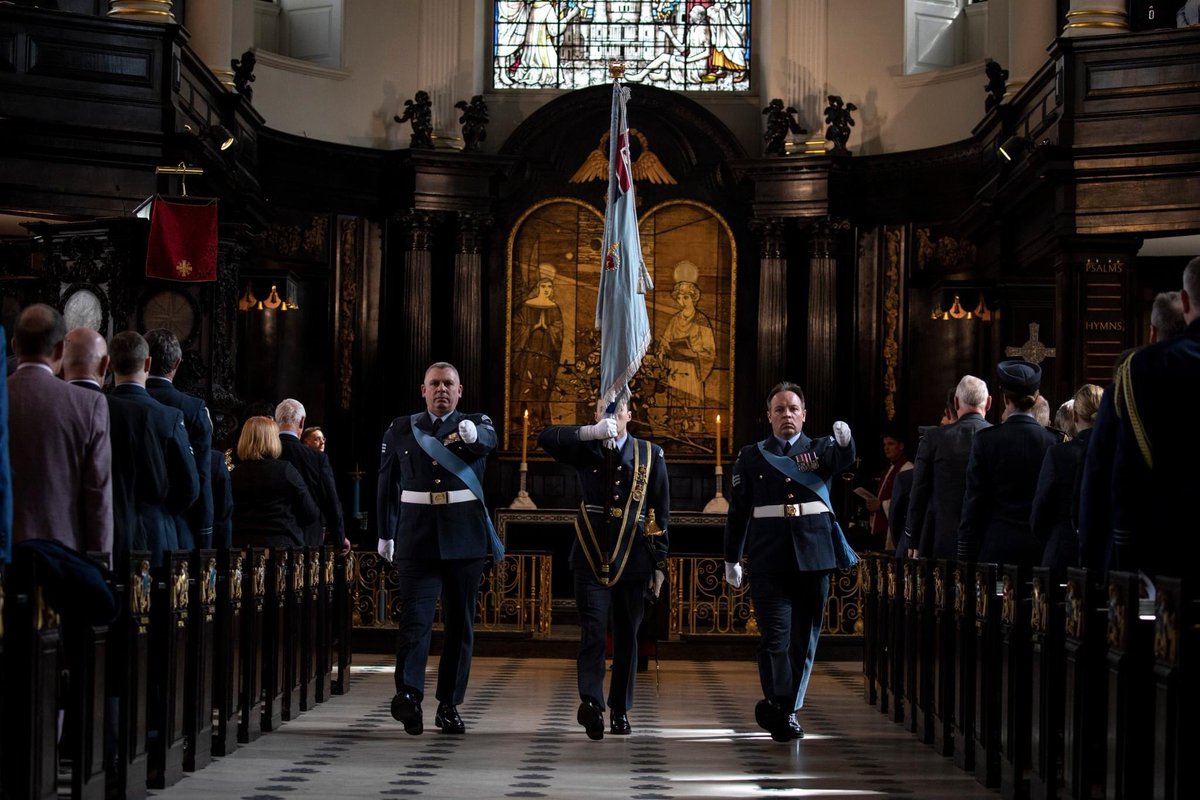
883 619
198 674
868 577
86 707
325 626
344 576
29 756
290 642
1046 687
1175 688
911 621
1130 691
129 664
920 707
309 591
1015 708
168 663
275 623
1084 624
987 676
227 650
251 710
895 639
962 578
944 658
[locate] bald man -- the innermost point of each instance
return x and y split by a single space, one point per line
58 442
139 472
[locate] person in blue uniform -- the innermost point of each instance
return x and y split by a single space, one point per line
781 518
619 553
1002 476
433 524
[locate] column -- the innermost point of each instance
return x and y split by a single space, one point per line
438 63
1096 18
1031 29
417 287
822 319
211 25
143 10
772 304
467 346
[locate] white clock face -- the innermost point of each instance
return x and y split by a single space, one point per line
83 310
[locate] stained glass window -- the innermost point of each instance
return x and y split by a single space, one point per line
689 45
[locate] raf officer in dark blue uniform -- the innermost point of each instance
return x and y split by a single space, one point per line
1002 476
433 522
780 515
619 553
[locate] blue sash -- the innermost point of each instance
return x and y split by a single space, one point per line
439 453
844 554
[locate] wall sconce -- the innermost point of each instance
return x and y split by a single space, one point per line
1012 147
218 134
273 302
957 310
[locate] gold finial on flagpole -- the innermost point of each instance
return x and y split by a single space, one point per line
616 69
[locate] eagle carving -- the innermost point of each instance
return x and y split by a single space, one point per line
646 167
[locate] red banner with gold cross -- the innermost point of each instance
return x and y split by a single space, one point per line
183 240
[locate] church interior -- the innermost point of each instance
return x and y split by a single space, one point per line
869 198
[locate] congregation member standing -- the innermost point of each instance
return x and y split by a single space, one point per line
1156 472
139 473
1002 475
434 525
620 552
129 360
195 526
314 467
271 504
781 517
58 443
1054 515
940 474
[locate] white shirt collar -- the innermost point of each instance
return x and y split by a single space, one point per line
85 380
621 440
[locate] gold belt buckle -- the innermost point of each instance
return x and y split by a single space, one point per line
618 512
439 498
791 510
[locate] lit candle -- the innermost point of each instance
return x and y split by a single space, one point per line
717 448
525 436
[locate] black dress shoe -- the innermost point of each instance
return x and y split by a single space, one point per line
591 717
406 708
793 726
448 720
618 724
768 715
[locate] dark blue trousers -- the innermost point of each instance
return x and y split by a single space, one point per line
421 582
789 608
626 602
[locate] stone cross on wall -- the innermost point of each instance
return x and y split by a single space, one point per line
1032 351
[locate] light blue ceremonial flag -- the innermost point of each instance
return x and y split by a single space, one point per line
621 307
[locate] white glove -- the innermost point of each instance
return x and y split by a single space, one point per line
656 582
841 433
386 548
467 431
733 574
604 429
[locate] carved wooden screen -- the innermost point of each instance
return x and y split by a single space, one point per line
552 352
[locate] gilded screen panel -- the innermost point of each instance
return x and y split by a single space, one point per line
553 347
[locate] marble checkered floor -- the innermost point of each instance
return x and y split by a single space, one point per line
694 737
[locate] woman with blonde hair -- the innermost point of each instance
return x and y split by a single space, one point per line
1055 514
271 504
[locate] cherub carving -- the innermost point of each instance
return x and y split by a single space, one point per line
780 122
474 122
419 113
838 124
